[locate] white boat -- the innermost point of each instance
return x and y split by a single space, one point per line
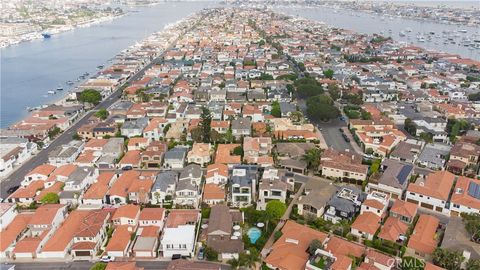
51 92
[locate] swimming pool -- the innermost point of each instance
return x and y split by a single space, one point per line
254 233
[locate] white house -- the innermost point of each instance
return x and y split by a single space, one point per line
179 240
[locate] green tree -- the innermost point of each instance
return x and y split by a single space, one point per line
102 114
328 73
76 137
321 107
205 124
450 260
54 132
472 225
91 96
238 151
234 263
99 266
296 116
50 198
274 211
333 91
314 245
410 127
196 134
312 158
276 109
211 254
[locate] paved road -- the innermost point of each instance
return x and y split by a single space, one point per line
85 265
333 136
42 157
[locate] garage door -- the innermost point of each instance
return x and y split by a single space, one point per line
412 201
426 205
82 253
454 214
143 254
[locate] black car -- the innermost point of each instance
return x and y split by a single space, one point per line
12 189
345 137
127 168
176 257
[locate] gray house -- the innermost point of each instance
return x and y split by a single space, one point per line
243 181
345 204
164 187
175 158
134 127
193 173
241 127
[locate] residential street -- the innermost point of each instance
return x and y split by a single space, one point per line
85 265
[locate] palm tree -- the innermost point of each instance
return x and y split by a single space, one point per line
234 263
312 157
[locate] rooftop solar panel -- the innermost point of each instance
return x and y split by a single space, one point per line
474 190
403 174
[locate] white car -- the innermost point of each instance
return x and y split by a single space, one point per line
107 259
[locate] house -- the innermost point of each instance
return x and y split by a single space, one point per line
225 154
119 244
220 231
200 154
434 156
315 197
66 154
379 260
186 194
290 250
243 179
134 127
465 197
41 172
152 157
12 233
241 127
464 158
341 165
217 173
152 217
95 194
271 189
375 202
213 194
255 148
345 204
132 185
146 243
43 224
404 211
393 230
175 158
164 187
8 212
179 233
126 215
192 173
432 192
394 179
423 240
80 236
365 225
407 151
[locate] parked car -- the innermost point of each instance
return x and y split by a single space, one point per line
201 254
12 189
345 137
341 130
107 259
127 168
176 257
